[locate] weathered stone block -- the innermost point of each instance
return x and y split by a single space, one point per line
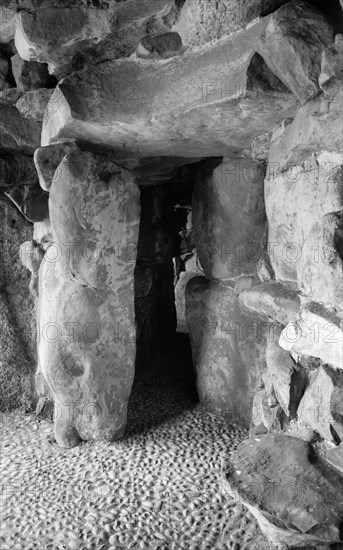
292 45
228 349
321 408
271 301
86 299
229 233
190 106
296 501
305 234
315 332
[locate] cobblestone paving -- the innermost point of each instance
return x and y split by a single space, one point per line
159 488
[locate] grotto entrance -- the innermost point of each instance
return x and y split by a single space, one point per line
164 253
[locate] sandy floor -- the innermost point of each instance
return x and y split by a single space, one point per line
158 488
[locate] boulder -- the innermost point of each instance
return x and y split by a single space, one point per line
87 347
332 65
228 349
317 126
32 104
304 235
160 46
31 200
29 75
88 33
141 110
74 27
321 407
295 499
315 332
17 134
292 45
202 21
47 159
287 377
272 302
229 235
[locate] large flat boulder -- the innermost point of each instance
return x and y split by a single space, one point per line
201 21
272 302
229 233
304 235
295 499
228 349
315 332
294 60
188 106
87 343
17 134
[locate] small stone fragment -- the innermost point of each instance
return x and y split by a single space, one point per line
32 104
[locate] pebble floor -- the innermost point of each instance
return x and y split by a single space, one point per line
159 488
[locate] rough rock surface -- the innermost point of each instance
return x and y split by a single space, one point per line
321 408
283 484
17 171
86 297
331 69
202 21
141 110
17 341
317 126
295 61
17 134
32 105
86 33
304 235
315 332
229 235
228 349
29 75
271 301
287 378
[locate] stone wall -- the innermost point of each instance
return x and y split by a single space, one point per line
105 133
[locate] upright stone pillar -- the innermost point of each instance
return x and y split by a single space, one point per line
87 340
